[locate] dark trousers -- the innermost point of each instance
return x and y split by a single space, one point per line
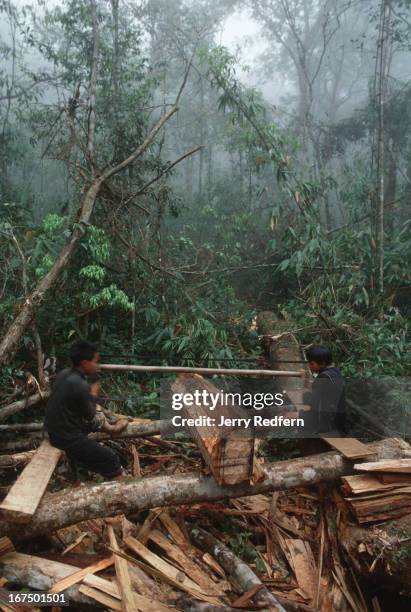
94 457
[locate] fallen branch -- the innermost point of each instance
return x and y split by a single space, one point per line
133 430
22 404
235 567
18 459
57 510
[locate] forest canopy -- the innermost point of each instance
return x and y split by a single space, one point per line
158 186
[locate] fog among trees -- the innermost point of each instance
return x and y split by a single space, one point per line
168 168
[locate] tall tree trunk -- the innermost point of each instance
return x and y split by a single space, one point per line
384 53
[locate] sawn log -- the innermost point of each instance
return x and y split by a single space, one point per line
227 450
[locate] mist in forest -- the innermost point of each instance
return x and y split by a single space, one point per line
236 155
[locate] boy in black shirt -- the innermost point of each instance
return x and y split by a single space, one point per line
71 415
327 396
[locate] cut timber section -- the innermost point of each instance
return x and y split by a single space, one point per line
26 493
227 450
280 347
351 448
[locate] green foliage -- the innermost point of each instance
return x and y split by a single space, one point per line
242 547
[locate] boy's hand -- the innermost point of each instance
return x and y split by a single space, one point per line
95 390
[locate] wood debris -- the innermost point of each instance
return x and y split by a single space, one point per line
285 547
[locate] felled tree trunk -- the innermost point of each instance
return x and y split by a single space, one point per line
58 510
10 443
16 407
235 567
381 553
40 574
284 353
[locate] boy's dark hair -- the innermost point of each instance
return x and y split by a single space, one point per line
82 351
320 354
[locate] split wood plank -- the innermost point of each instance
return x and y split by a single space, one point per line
394 479
174 530
109 587
173 575
228 450
351 448
65 583
26 493
186 564
128 603
102 598
146 527
368 483
304 566
401 466
381 494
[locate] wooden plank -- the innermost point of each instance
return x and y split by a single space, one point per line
109 587
401 466
173 575
128 603
227 450
26 493
351 448
102 598
65 583
304 566
368 483
381 494
394 479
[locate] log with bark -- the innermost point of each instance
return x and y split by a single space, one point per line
20 405
283 353
16 460
40 574
57 510
235 567
11 442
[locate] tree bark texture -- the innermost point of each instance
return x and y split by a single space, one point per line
57 510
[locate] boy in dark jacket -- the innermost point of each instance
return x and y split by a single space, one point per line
71 415
327 396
